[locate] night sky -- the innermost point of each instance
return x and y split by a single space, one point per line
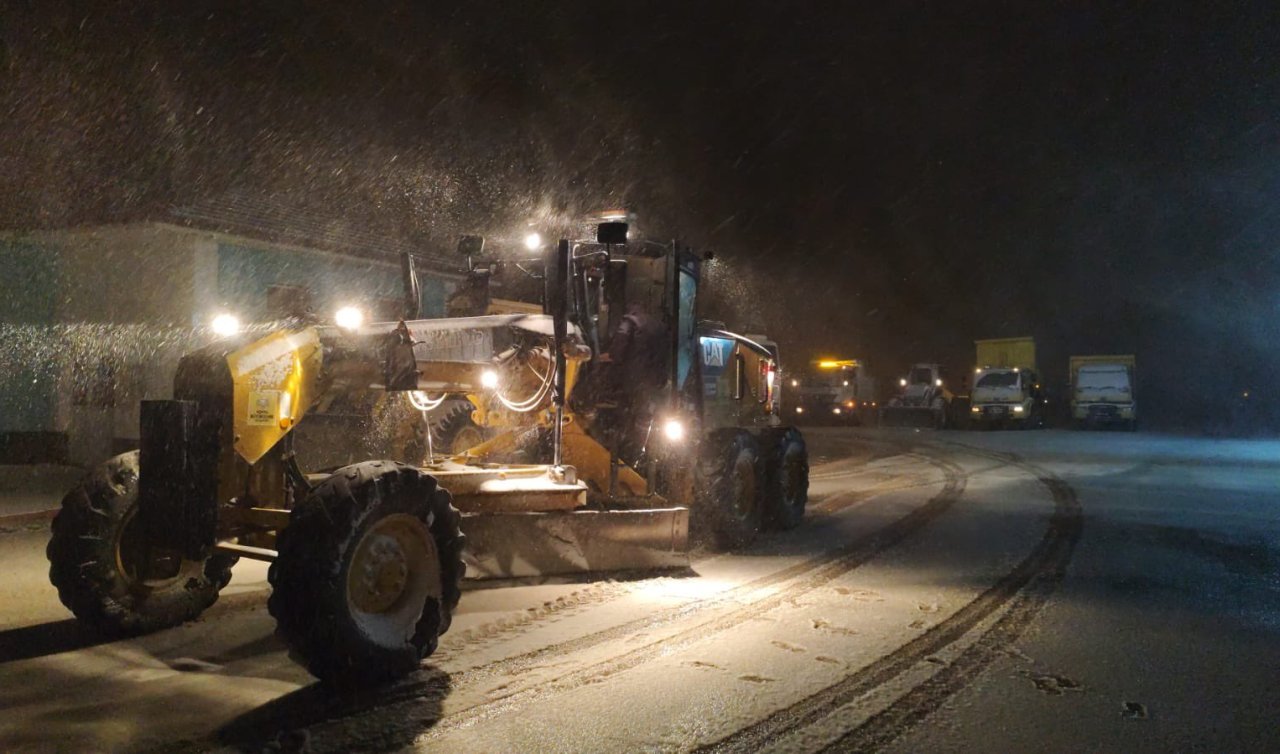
887 180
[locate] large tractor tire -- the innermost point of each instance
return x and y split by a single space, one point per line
105 573
456 432
787 490
368 573
729 511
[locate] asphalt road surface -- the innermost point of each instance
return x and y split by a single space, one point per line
1020 591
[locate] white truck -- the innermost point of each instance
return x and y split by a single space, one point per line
1006 385
837 391
1102 391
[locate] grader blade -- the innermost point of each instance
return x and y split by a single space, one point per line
562 543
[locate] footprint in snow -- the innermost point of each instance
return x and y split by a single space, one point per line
702 665
929 607
752 678
917 624
1054 685
788 647
864 595
1133 710
829 660
820 624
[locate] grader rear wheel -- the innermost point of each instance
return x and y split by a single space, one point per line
457 432
368 573
106 573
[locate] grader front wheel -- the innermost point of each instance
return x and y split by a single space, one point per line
106 573
368 573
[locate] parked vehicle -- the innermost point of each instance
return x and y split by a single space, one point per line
1102 391
837 391
1006 385
924 399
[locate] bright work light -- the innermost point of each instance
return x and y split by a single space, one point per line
348 318
225 325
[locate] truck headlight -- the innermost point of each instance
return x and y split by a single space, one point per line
673 430
799 409
1017 409
976 409
835 410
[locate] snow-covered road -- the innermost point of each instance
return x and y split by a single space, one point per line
948 591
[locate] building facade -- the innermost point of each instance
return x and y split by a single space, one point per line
93 320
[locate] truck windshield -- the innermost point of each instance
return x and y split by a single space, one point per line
1114 379
998 379
828 377
921 376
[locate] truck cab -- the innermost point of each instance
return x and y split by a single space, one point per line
1006 384
1006 396
831 390
1102 391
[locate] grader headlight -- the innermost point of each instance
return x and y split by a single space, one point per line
348 318
224 325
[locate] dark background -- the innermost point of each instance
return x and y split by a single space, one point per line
888 180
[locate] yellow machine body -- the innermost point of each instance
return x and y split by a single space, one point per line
273 385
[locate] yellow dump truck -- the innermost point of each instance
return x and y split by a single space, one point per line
1102 391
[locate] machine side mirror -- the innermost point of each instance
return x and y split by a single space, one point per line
612 233
470 246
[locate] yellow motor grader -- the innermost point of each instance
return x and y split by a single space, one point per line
610 419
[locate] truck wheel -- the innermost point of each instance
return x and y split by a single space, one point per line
729 509
368 573
788 487
105 573
939 414
457 432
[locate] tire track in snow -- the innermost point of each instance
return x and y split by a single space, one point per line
602 592
843 500
1024 590
798 579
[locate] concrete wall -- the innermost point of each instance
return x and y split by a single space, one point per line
128 294
28 291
